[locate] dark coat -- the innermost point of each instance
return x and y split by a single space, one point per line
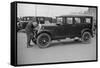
29 28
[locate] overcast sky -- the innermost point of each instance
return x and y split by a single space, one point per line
47 10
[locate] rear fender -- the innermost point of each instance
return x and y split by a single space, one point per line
87 29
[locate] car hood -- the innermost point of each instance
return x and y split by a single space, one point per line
48 26
52 24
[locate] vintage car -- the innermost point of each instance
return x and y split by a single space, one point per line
70 26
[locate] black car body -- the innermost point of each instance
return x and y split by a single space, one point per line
67 27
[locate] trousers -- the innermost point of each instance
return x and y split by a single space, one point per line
29 38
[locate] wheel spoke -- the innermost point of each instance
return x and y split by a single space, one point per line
43 40
86 37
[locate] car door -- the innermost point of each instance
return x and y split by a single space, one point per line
69 27
60 29
78 25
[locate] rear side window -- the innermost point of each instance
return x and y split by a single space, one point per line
69 20
77 20
87 20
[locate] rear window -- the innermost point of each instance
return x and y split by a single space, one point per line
87 20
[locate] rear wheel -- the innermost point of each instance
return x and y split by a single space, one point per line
86 37
43 40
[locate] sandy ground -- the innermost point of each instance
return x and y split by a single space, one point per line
59 51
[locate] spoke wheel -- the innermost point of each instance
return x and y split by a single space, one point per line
86 37
43 40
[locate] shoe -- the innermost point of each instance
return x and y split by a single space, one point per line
28 46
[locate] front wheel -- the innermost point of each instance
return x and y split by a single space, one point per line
86 37
43 40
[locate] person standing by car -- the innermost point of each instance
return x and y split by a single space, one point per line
29 31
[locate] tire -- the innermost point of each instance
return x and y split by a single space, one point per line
43 40
76 40
86 37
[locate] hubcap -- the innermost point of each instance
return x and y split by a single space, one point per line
43 40
86 37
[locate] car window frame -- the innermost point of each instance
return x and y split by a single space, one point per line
86 18
80 20
66 21
62 23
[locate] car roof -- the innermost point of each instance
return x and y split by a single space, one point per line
75 15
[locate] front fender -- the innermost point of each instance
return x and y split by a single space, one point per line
44 31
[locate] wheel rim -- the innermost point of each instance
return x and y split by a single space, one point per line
43 41
86 37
